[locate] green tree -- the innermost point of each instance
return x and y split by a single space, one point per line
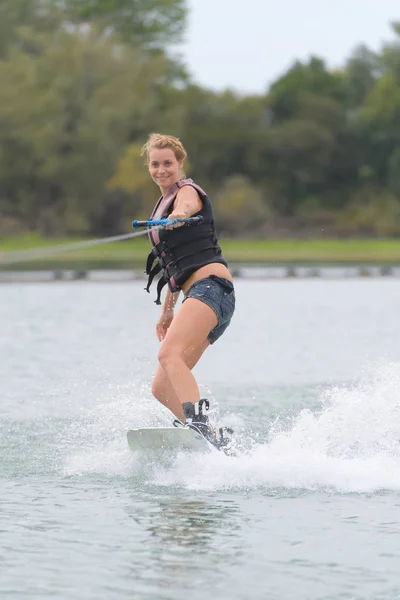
362 70
390 56
41 15
284 96
65 117
149 24
393 175
218 131
145 23
380 117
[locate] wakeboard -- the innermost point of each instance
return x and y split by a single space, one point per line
172 438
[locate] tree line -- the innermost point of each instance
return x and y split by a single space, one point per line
83 82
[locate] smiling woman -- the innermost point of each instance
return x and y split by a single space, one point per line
165 156
190 260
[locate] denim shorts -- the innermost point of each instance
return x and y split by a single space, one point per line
218 293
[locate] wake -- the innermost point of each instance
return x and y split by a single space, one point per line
350 444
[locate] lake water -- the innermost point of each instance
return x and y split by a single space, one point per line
308 375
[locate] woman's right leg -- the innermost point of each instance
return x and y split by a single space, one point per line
162 388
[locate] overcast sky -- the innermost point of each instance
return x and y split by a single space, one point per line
247 44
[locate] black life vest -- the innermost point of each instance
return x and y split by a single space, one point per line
183 250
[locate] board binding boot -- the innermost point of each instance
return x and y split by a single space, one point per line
197 419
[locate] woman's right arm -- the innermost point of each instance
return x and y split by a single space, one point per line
167 314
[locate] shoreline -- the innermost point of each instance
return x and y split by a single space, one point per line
35 253
239 271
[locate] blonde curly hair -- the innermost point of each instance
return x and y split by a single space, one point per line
160 141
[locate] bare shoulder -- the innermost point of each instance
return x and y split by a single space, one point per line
189 197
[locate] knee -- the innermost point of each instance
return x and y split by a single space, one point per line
167 356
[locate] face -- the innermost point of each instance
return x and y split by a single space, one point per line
164 168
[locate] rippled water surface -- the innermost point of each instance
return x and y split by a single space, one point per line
308 375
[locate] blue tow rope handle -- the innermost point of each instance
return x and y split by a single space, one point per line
166 222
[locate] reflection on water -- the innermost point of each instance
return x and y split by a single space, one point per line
179 531
188 523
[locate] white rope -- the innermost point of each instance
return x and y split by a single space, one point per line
8 258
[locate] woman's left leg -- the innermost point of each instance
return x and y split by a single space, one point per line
189 329
162 388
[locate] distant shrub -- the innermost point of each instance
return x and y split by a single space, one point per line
240 207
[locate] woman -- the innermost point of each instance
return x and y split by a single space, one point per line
190 260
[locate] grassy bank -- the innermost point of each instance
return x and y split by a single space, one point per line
132 253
